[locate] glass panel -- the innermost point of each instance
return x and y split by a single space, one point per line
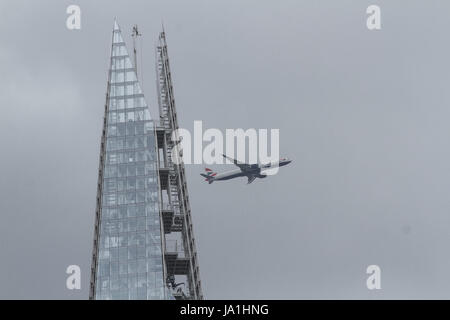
130 239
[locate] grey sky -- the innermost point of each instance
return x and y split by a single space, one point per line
364 115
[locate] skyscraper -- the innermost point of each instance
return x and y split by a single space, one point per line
143 239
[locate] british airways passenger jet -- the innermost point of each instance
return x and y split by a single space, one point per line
251 171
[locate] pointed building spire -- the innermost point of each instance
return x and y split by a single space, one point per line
116 25
128 190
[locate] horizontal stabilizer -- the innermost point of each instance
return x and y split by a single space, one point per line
209 176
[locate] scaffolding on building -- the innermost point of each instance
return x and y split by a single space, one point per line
180 254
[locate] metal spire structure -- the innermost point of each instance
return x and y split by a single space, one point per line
143 239
135 34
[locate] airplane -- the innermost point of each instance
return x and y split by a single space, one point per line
251 171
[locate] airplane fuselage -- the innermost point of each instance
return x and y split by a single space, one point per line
227 175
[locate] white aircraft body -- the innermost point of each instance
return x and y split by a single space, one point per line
251 171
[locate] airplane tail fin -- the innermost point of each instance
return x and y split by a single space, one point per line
208 175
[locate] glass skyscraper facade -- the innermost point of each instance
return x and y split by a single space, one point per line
128 259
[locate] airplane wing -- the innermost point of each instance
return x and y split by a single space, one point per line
242 166
251 179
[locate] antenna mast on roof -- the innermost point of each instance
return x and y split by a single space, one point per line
135 34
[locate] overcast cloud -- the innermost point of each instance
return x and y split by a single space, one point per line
363 114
